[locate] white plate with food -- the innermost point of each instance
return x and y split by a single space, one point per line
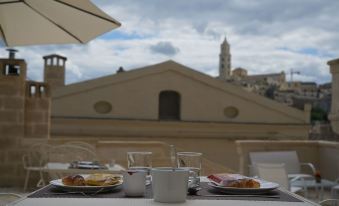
88 183
238 184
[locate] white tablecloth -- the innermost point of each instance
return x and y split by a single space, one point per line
149 202
146 202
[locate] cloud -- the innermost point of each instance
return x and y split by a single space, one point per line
165 48
265 36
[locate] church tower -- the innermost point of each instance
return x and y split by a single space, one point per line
54 71
225 61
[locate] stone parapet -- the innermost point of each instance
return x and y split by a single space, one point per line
129 128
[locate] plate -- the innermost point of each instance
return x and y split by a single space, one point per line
265 187
87 189
86 165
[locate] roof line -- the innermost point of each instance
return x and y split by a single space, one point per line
216 85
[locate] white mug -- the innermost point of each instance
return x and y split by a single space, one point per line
134 183
169 184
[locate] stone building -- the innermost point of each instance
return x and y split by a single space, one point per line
225 61
54 71
239 73
170 100
24 115
334 115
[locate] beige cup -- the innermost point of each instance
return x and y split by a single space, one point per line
169 184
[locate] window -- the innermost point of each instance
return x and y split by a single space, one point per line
169 105
231 112
11 69
103 107
32 90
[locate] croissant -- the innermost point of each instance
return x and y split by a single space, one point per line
74 180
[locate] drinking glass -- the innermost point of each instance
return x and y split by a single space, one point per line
139 161
191 161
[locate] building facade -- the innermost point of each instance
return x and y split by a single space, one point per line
170 100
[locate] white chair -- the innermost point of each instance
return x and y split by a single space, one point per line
34 161
334 189
68 153
65 154
289 158
82 144
332 202
276 173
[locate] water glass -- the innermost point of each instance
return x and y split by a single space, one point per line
139 161
192 162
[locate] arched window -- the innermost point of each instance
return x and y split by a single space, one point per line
169 105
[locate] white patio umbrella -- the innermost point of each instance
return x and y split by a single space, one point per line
34 22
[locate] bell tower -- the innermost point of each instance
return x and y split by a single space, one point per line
225 61
54 71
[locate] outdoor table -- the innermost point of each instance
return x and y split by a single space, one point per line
37 198
312 184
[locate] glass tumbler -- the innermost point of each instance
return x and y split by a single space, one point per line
191 161
139 161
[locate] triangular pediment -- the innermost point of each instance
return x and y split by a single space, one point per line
185 72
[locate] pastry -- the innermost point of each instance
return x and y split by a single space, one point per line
234 180
73 180
102 179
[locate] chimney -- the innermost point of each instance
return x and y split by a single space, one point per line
11 53
12 69
120 70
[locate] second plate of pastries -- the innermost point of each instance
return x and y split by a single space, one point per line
239 184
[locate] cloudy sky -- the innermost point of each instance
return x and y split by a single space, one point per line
266 36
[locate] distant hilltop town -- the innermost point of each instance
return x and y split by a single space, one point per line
275 86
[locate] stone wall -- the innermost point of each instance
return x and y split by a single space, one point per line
22 116
37 110
178 129
220 155
12 101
